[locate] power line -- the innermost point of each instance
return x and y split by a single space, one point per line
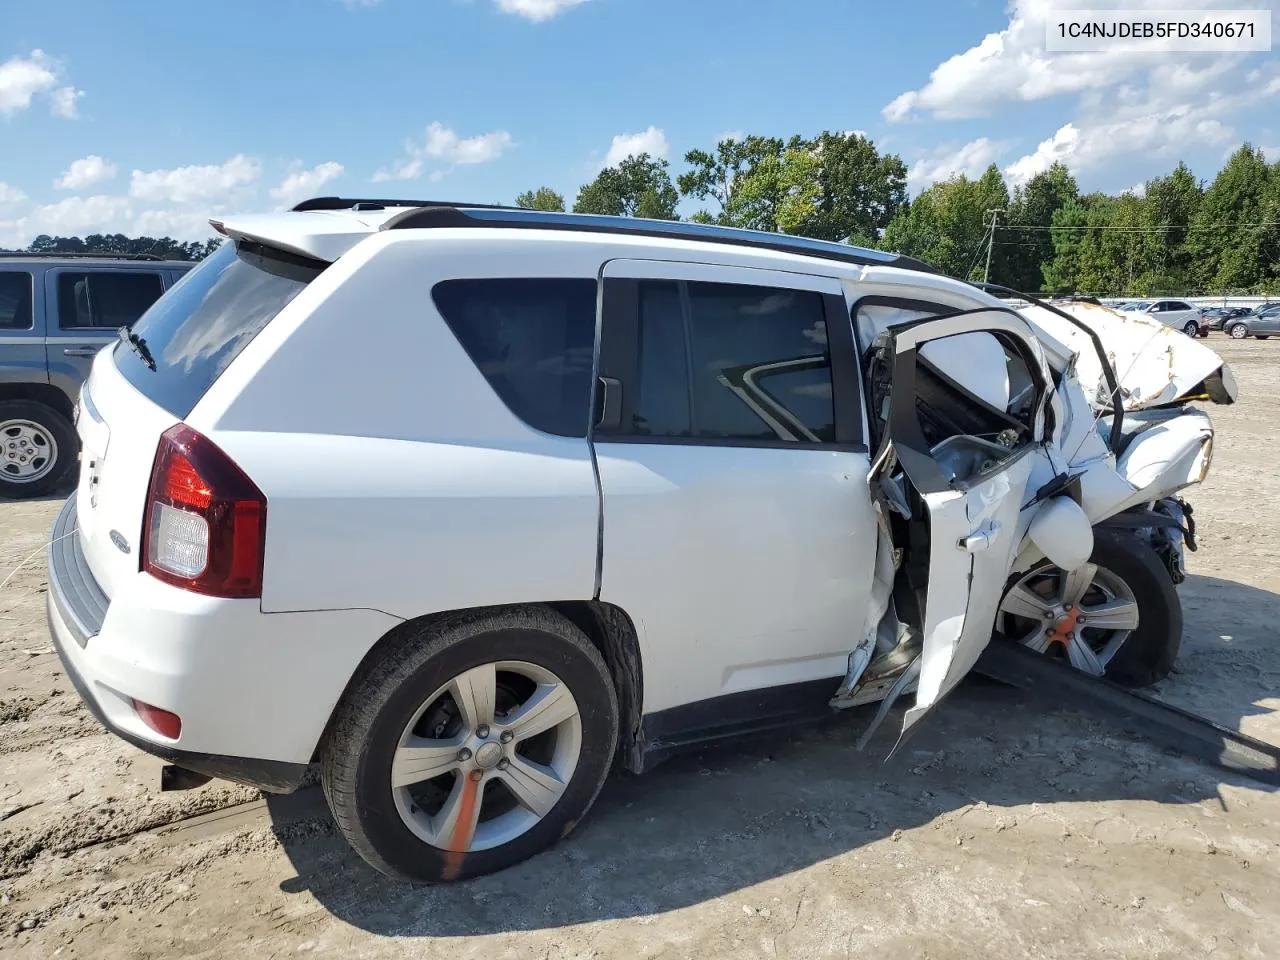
1166 226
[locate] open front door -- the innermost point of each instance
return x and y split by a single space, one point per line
959 408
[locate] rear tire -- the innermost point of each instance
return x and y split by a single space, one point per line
38 449
1191 329
389 711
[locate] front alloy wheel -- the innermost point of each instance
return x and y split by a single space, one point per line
1117 616
1239 331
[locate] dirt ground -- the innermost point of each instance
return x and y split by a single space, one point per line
1004 830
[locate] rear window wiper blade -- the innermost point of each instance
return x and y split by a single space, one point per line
138 345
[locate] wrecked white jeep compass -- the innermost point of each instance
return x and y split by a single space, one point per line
472 505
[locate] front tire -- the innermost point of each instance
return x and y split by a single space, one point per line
470 744
1118 616
38 449
1238 331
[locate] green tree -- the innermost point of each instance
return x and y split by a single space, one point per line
1025 252
1061 271
544 198
640 186
741 178
947 225
1226 239
859 190
117 243
1169 205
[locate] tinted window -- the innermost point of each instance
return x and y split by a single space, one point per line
107 299
194 332
15 300
533 339
753 365
1178 305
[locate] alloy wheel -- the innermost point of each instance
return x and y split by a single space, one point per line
486 756
1085 614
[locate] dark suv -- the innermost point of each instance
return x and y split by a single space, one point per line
56 312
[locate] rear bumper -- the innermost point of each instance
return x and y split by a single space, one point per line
155 657
273 776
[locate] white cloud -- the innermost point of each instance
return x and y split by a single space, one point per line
72 216
22 79
537 10
944 163
1137 190
1271 153
1013 65
651 141
10 196
194 183
1062 146
85 172
62 102
443 144
304 183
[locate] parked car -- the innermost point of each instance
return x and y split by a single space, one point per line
1263 323
1218 316
472 505
1174 313
56 312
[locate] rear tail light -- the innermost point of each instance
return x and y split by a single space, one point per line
206 522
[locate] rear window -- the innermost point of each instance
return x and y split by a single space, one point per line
195 330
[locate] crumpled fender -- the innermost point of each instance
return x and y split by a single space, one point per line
1155 364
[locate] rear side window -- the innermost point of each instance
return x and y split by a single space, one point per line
108 299
750 366
194 332
15 300
533 339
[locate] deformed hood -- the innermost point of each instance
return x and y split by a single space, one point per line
1154 364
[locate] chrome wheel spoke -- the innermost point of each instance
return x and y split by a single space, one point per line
551 705
455 825
475 692
1082 656
1022 601
421 759
1077 582
535 787
1111 615
1037 639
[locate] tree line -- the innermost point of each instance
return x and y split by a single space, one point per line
1177 235
118 244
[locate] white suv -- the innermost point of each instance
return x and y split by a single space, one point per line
471 505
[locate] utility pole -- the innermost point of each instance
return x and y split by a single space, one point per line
991 242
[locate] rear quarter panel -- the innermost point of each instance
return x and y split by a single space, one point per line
396 479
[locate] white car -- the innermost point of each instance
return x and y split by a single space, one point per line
473 505
1174 313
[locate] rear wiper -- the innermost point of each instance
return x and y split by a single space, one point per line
138 345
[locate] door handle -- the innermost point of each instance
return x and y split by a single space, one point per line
81 351
980 540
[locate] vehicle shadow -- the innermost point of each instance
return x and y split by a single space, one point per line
727 818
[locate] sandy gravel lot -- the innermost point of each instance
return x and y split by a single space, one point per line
1003 831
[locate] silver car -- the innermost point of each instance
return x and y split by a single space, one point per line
1261 323
1174 313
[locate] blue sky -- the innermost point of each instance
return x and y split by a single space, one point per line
141 116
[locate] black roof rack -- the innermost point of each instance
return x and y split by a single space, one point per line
62 255
418 214
353 203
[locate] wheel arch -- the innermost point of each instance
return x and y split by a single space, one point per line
42 393
610 631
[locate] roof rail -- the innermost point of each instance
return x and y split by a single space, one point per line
438 214
359 203
62 255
